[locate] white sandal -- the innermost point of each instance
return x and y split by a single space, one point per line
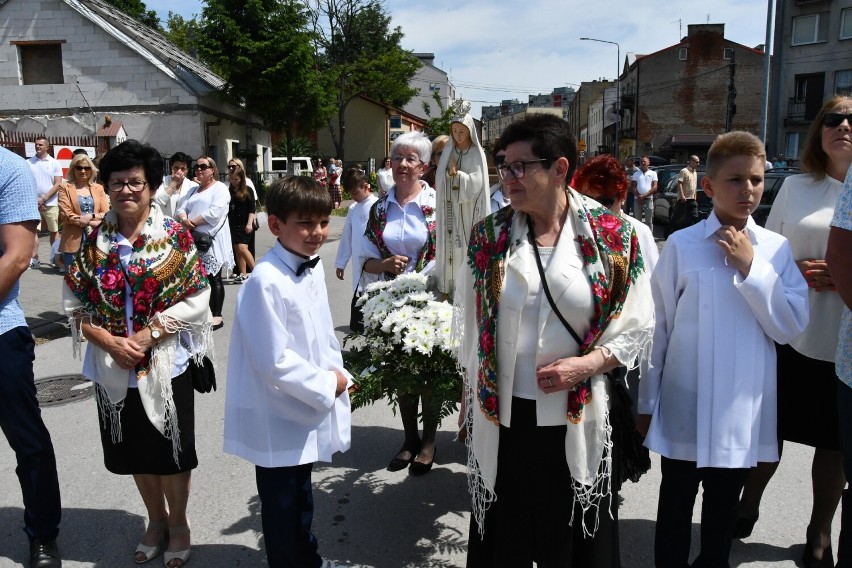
182 556
151 552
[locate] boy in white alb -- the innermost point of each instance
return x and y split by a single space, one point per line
724 291
287 404
355 183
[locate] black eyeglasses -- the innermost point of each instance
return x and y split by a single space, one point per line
82 168
832 119
135 185
517 168
202 167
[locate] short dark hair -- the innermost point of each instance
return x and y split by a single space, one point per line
353 178
298 194
180 157
498 147
133 154
79 151
550 136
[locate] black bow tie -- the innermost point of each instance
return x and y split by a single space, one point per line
307 264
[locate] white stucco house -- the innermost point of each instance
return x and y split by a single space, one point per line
67 64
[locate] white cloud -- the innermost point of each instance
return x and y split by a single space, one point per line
499 49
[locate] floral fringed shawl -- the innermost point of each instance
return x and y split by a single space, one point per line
378 219
623 321
168 285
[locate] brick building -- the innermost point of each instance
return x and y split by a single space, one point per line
676 100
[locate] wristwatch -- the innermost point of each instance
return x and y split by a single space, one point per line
156 333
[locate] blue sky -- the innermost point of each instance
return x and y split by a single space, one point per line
499 49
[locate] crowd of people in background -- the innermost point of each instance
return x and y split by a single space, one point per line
559 292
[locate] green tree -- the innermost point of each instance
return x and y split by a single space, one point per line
360 55
442 121
182 32
265 52
139 11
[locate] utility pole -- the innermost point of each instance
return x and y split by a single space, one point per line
732 92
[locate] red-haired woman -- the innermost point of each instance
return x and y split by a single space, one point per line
603 179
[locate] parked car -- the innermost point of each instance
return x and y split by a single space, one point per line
772 181
666 173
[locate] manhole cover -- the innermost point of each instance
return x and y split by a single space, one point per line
61 389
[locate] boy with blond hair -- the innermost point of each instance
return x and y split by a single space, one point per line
724 290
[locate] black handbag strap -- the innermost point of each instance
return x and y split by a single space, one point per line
531 236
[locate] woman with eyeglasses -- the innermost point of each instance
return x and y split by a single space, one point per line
400 238
807 381
438 145
461 182
138 294
205 212
241 219
82 206
554 295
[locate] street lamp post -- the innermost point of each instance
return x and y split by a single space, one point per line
617 92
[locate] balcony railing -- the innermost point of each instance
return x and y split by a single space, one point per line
796 108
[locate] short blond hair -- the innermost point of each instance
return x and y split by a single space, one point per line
72 171
730 145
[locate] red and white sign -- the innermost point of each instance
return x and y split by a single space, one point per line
63 155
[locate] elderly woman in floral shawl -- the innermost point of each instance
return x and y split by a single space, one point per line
556 295
400 238
138 292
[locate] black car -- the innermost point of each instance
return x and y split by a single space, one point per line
772 181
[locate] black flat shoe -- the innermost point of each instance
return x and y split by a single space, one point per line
744 526
419 468
44 554
219 325
398 464
810 561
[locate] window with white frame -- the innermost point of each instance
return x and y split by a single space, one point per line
812 28
791 149
846 23
728 53
682 53
843 82
40 62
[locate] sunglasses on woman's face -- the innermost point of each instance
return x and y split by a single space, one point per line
82 168
232 166
834 119
202 167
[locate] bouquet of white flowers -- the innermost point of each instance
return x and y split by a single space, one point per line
406 347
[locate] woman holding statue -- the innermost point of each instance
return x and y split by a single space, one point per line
461 183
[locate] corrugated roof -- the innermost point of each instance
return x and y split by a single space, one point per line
151 45
110 130
691 140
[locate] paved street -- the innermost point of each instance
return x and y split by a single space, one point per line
365 516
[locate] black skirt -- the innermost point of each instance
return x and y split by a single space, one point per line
807 400
142 449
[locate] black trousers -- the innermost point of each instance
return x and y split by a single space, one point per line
678 489
217 293
531 519
20 420
286 513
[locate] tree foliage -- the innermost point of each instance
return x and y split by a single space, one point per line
360 55
139 11
264 49
442 121
182 32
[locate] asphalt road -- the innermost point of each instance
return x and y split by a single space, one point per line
365 516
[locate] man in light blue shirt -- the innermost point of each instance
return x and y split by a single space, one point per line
20 416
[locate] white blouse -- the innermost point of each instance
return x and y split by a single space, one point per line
802 212
711 388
